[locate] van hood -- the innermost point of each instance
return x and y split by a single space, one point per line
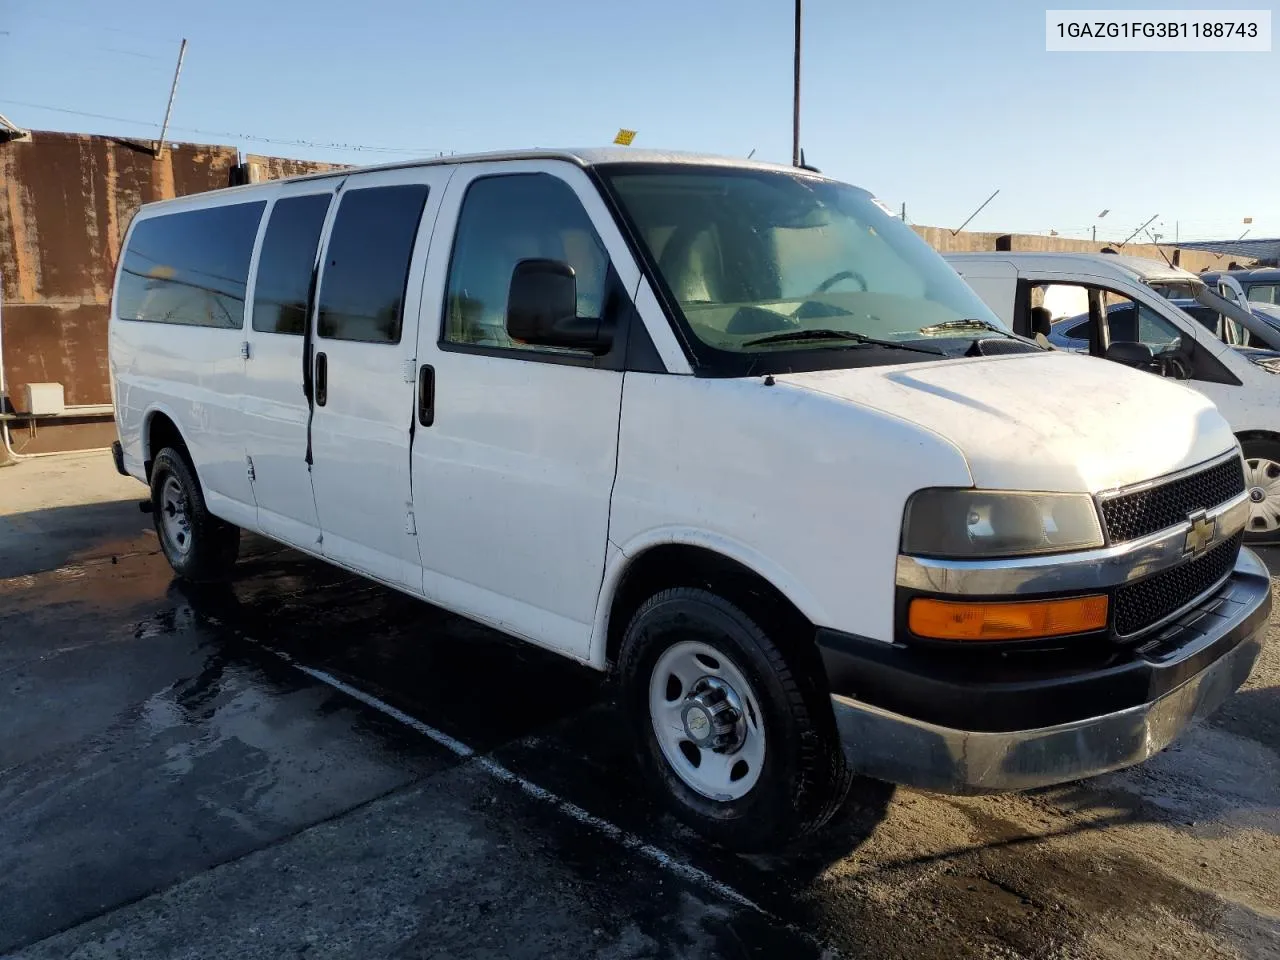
1045 421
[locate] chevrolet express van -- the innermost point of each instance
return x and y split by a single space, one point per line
1146 314
723 429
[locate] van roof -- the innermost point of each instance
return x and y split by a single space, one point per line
1143 269
584 157
1249 273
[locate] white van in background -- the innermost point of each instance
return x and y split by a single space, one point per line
1131 314
726 430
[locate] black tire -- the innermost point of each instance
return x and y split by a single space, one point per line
208 548
1260 448
804 778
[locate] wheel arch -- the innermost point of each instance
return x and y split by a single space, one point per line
694 559
1246 435
159 430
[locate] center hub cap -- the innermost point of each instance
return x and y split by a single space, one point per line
1257 494
713 716
697 724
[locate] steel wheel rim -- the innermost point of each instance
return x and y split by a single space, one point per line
676 698
1262 481
175 521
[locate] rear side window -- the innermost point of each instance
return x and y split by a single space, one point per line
367 263
285 264
189 268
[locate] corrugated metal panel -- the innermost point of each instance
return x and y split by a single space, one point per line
1241 249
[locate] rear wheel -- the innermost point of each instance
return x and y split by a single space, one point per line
738 737
1262 481
197 544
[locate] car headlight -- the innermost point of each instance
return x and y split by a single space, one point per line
960 524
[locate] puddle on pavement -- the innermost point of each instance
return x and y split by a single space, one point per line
898 875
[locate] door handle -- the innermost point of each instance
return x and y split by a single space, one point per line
427 395
322 379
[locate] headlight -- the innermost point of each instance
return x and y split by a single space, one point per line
961 524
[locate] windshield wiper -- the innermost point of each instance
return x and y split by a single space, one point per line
967 324
795 336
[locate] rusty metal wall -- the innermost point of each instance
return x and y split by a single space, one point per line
277 168
65 203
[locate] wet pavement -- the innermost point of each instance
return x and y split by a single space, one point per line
304 764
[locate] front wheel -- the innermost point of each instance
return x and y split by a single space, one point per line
198 545
1262 482
739 738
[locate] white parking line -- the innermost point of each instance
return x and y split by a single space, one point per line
446 741
492 767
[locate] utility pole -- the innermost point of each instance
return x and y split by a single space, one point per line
904 211
173 92
795 97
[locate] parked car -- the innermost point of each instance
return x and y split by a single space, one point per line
1131 319
726 430
1261 285
1073 333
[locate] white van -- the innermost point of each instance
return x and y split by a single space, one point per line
724 429
1146 314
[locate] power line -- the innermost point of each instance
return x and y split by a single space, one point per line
362 148
97 27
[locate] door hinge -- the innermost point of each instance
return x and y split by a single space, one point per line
244 350
410 525
410 371
252 476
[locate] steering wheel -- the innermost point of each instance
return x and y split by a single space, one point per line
1173 365
1172 362
835 278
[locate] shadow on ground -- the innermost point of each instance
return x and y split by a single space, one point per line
539 715
43 540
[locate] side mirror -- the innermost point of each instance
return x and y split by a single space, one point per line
542 309
1131 354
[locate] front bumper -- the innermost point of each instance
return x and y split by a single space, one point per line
1150 694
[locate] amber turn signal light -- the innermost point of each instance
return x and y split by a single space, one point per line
1024 620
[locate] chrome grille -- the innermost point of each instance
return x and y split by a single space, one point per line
1147 602
1129 516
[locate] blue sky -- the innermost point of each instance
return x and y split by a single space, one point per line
929 102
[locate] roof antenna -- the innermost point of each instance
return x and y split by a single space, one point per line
1158 250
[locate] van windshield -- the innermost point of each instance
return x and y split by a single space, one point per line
750 254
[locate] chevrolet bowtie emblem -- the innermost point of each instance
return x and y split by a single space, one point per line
1200 535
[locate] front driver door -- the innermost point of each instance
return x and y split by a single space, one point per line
514 463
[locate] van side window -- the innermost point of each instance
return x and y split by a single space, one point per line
504 220
190 268
367 263
284 266
1264 293
1131 322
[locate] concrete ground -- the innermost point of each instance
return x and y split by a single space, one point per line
303 764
